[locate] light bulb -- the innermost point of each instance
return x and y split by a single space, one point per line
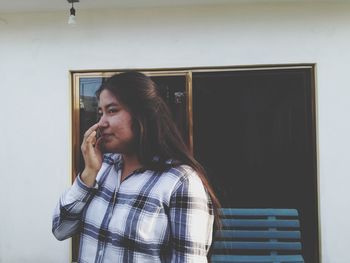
71 20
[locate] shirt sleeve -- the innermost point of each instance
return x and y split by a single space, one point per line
191 218
68 212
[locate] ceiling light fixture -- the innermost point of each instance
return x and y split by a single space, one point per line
71 19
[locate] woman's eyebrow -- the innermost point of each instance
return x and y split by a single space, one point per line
111 104
108 105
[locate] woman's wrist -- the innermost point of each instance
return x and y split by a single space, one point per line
88 176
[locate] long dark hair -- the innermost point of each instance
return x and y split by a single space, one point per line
156 133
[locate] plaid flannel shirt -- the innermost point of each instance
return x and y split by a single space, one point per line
149 217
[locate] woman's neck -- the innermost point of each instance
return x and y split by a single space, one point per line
130 164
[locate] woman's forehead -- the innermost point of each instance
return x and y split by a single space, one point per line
107 98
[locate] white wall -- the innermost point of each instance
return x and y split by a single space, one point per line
38 50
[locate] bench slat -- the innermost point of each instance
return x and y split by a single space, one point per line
257 234
259 223
243 228
259 212
257 245
260 259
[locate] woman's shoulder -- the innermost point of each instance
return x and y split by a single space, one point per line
180 172
183 174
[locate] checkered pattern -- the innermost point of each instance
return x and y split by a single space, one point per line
149 217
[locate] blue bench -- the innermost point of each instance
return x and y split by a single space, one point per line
258 235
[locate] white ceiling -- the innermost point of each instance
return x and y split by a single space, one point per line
57 5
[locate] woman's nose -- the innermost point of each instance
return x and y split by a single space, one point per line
102 122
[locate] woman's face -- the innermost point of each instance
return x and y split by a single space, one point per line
115 124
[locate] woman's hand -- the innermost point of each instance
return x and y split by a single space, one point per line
92 155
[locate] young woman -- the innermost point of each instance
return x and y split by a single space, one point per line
141 197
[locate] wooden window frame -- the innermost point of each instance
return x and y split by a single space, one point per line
76 75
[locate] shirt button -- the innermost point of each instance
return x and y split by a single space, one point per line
100 253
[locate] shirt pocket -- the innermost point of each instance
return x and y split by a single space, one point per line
150 224
141 222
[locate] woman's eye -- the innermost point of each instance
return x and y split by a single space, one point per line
98 116
112 110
